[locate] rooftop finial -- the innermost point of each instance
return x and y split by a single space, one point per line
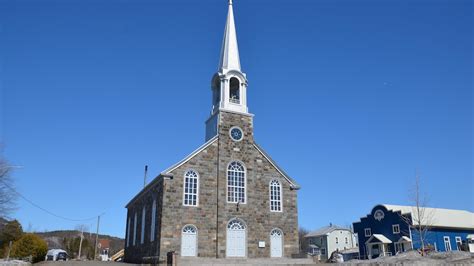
230 2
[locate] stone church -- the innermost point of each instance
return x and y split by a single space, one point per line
227 198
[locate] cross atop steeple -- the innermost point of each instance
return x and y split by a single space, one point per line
229 59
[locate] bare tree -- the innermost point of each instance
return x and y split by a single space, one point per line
7 194
303 241
421 217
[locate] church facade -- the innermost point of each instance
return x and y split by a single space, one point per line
228 198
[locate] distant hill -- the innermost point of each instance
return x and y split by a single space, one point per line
55 239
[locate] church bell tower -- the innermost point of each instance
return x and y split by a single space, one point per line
229 84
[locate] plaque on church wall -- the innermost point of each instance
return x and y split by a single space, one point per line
261 244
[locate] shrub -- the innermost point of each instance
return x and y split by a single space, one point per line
30 245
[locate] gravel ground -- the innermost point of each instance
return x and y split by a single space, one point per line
413 258
81 263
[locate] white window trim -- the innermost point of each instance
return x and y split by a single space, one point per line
448 240
270 195
227 183
134 230
458 240
367 230
153 221
197 190
395 226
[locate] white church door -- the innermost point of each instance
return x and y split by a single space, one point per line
189 241
236 239
276 243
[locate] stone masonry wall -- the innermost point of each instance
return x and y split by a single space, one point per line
255 212
213 213
149 251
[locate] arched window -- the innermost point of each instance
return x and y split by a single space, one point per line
153 221
190 229
234 95
191 187
142 231
236 183
236 224
134 229
275 196
128 230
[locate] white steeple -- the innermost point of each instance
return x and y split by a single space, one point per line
229 84
229 59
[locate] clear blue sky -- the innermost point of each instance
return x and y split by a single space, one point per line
349 97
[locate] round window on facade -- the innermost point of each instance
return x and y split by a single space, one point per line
236 134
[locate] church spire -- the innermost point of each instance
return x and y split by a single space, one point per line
229 59
229 84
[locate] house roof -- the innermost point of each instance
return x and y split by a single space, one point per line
437 217
104 243
326 230
404 239
380 238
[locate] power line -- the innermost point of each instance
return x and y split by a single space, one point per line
45 210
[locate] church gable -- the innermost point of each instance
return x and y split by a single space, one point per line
267 157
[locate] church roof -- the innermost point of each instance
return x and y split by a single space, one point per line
229 59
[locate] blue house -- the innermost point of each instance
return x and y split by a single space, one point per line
389 229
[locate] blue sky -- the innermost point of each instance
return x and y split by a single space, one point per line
349 97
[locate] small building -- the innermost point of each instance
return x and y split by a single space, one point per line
104 249
389 230
326 240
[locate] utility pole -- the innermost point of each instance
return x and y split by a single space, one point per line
80 243
9 249
96 237
144 178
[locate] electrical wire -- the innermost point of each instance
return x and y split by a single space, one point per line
45 210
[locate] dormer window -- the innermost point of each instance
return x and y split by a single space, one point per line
234 95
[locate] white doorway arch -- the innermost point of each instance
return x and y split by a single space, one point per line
276 243
189 241
236 242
